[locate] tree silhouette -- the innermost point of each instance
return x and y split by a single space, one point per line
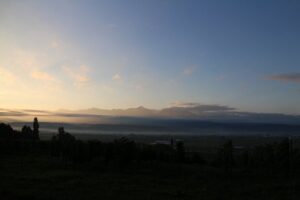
63 144
6 131
27 132
64 136
36 127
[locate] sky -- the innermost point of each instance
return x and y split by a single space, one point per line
68 54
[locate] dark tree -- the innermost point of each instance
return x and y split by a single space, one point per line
36 127
27 132
6 131
64 136
63 144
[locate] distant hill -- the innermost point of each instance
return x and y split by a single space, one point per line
213 113
203 112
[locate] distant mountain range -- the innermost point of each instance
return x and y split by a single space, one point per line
172 112
198 112
215 113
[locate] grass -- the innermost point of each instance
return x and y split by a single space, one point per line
41 177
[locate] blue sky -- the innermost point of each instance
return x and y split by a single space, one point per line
119 54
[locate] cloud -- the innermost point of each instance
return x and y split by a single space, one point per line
198 108
288 77
11 113
116 77
6 77
49 82
78 75
32 65
35 111
55 44
183 104
189 70
27 60
43 76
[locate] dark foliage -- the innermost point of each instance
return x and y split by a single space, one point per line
280 161
7 132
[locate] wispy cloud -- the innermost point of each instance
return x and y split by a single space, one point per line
6 77
183 104
10 113
189 70
78 75
116 77
32 64
287 77
55 44
27 60
43 76
200 107
36 111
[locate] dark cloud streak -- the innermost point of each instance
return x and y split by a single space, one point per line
287 77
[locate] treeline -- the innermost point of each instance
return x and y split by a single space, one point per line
279 158
122 151
275 158
7 132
